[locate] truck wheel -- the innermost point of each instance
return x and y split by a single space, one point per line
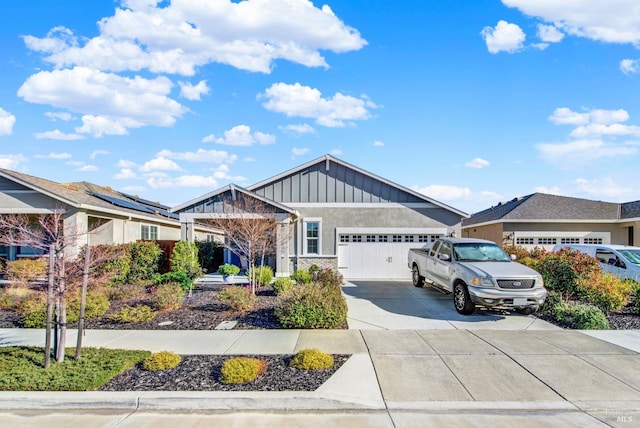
461 300
417 280
527 310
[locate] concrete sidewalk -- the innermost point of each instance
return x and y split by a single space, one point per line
394 378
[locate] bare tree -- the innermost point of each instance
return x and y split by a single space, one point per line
250 230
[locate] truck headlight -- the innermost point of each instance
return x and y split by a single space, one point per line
482 282
539 282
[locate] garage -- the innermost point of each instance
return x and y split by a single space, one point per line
378 256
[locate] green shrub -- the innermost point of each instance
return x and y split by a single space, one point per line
96 305
116 265
283 286
558 275
635 295
329 277
264 275
33 311
311 359
136 314
518 251
580 316
313 306
184 260
176 277
605 290
206 255
166 296
238 297
12 297
553 298
228 269
145 260
163 360
242 370
302 276
126 292
24 271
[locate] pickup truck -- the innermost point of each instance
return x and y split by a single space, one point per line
477 272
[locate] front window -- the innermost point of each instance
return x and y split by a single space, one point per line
148 232
312 236
632 255
480 252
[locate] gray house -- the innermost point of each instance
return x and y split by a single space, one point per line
334 214
543 220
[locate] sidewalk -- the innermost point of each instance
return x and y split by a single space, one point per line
394 378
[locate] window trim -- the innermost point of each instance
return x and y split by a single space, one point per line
150 226
305 239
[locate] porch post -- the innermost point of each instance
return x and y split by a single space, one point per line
282 248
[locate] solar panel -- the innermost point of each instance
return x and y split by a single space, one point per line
124 203
145 201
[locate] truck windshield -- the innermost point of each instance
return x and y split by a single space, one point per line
632 255
479 252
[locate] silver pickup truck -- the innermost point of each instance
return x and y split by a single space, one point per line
477 272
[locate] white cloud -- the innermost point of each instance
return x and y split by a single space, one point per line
298 151
7 120
182 181
123 163
56 134
583 151
134 189
97 153
55 156
595 123
125 174
58 115
193 92
222 173
200 155
335 152
298 130
241 136
630 66
11 161
87 168
160 164
555 190
504 37
303 101
605 188
549 33
110 104
378 144
181 35
614 21
478 163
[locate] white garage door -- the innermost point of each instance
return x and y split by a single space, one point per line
362 256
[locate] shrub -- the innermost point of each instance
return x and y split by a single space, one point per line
558 275
184 260
635 295
12 297
228 269
553 298
283 286
580 316
206 255
302 276
605 290
145 259
238 297
166 296
34 311
518 251
329 277
242 370
311 359
96 305
117 265
163 360
313 306
179 278
136 314
126 292
264 275
24 271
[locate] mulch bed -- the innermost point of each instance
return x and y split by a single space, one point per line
202 373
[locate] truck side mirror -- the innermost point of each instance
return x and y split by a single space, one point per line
513 257
444 257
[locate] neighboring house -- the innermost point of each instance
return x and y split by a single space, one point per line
92 213
542 220
337 215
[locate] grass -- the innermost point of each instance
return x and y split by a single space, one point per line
21 368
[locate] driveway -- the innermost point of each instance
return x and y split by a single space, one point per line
398 305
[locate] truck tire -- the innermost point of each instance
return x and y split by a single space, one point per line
461 299
417 280
527 310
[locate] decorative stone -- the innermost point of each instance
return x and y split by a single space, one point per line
163 323
226 325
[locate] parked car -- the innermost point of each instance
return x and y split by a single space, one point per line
477 272
622 261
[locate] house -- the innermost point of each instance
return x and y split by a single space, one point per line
94 214
334 214
543 220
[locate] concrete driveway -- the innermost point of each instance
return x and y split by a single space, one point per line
398 305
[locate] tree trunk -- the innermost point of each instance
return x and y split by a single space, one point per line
62 321
83 299
47 338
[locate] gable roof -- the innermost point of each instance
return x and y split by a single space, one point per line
379 189
219 194
542 207
89 196
630 210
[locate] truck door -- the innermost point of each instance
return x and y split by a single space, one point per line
441 265
610 262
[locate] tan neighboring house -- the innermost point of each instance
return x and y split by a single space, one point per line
335 214
543 220
93 214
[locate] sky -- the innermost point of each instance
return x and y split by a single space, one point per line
470 102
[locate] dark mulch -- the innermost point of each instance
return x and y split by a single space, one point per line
202 373
625 319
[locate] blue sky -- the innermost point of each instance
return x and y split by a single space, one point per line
469 102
